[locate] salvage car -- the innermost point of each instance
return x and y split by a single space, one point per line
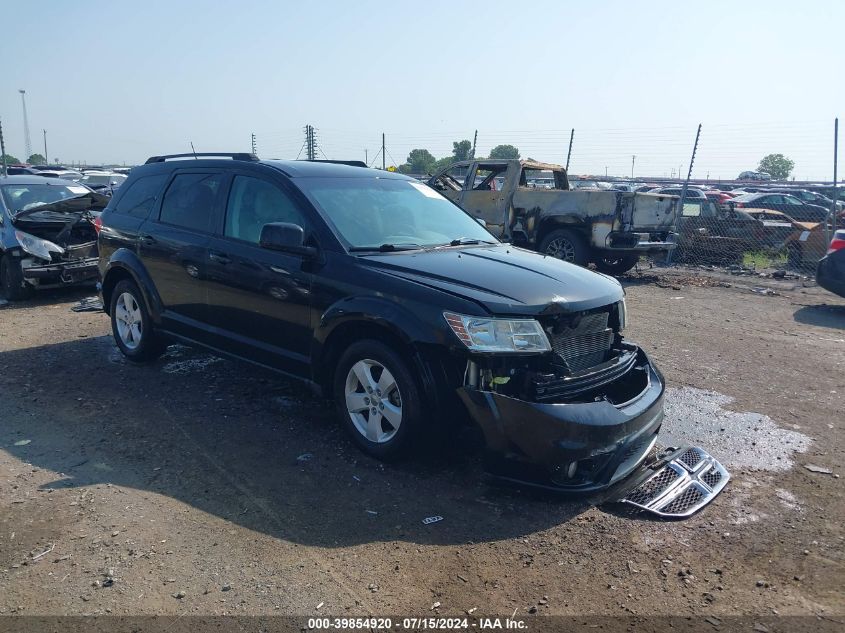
383 294
47 234
790 205
608 228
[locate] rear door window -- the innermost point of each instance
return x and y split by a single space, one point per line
191 199
139 198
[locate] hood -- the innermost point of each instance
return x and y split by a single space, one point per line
90 201
503 279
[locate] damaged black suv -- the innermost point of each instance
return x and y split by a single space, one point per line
386 296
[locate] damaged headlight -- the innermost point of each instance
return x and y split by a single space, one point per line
482 334
36 246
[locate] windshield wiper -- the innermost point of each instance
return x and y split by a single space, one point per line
460 241
385 248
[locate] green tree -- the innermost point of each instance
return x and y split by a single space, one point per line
421 161
461 149
776 165
504 151
442 163
10 160
36 159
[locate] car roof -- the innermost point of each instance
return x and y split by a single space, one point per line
35 180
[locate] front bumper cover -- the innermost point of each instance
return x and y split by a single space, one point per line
537 443
64 272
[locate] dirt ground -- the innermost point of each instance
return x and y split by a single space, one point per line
205 486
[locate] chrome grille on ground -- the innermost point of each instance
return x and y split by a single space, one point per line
683 486
586 344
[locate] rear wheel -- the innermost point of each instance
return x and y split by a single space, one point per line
617 264
11 279
131 324
567 245
378 399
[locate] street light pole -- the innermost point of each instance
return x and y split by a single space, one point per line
46 156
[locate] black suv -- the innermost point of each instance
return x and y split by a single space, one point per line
386 296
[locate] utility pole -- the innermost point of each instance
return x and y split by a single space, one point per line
46 156
253 143
383 161
366 158
633 160
310 143
474 139
3 149
605 171
827 225
26 141
569 153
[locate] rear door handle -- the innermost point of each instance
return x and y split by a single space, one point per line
220 258
148 239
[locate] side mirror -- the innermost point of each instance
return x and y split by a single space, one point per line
285 237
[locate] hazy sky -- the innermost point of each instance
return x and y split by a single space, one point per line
119 81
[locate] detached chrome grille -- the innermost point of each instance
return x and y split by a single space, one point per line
584 345
687 483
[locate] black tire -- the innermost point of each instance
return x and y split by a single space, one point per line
403 439
617 264
567 245
149 345
11 279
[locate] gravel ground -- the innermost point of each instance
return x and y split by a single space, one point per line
203 486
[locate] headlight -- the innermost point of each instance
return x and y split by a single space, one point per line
623 314
482 334
36 246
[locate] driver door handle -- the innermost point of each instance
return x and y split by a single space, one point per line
147 239
220 258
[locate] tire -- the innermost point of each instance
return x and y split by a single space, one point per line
11 279
363 407
617 264
131 324
567 245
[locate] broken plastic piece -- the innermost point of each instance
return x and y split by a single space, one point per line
430 520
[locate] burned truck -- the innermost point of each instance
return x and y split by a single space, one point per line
608 228
48 235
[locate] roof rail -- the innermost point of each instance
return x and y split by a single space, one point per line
351 163
232 155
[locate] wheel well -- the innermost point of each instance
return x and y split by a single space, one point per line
350 332
113 277
553 224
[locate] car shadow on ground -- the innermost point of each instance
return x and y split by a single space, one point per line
824 315
247 446
50 297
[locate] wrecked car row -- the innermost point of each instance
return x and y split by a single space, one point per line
383 295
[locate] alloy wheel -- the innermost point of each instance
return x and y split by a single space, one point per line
373 401
129 321
562 249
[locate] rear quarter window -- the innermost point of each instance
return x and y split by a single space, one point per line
140 196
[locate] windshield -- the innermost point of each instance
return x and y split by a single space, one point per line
373 212
23 197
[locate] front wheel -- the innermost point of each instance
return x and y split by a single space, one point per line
617 264
131 324
11 279
567 245
378 399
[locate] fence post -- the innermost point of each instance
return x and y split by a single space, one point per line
830 227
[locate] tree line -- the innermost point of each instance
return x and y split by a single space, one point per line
422 161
